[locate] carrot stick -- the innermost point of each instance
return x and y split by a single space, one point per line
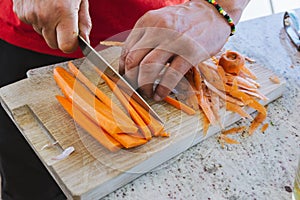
155 126
112 142
97 92
94 130
129 141
81 97
179 105
133 113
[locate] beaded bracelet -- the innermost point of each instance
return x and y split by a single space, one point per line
224 14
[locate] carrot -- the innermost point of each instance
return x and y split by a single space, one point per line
248 72
180 105
133 113
234 130
155 126
97 92
235 108
205 125
264 127
94 130
246 99
81 97
256 122
232 62
129 141
228 140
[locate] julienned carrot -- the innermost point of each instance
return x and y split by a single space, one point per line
180 105
98 93
95 131
155 126
129 141
133 113
90 105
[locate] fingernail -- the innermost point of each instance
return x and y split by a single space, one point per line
157 97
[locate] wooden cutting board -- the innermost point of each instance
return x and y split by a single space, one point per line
91 171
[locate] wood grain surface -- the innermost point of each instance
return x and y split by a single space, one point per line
91 171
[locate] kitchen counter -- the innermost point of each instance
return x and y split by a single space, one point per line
263 165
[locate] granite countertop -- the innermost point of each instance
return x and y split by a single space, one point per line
263 165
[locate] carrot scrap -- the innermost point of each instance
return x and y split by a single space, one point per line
164 134
94 130
235 108
275 79
235 92
179 105
222 139
234 130
232 62
264 127
112 43
133 113
256 122
90 105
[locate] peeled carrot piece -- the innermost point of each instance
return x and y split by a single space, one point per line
155 126
246 99
94 130
133 113
129 141
98 93
90 105
235 108
256 122
234 130
180 105
264 127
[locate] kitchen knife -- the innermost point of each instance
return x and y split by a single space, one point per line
291 26
96 59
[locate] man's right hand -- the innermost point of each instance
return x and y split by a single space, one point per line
59 22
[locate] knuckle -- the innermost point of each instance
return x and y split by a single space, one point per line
130 62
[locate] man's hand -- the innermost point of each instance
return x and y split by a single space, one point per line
59 22
182 35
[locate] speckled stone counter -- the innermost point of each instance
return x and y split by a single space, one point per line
263 165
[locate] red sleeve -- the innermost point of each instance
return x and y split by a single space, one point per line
108 17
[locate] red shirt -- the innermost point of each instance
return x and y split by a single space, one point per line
109 17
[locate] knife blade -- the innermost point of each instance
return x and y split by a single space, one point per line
96 59
290 23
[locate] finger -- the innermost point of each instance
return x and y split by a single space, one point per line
49 35
171 77
85 22
149 70
37 29
132 62
67 32
133 38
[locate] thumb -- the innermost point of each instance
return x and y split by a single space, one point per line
67 33
85 23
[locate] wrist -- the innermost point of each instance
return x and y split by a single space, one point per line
234 8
